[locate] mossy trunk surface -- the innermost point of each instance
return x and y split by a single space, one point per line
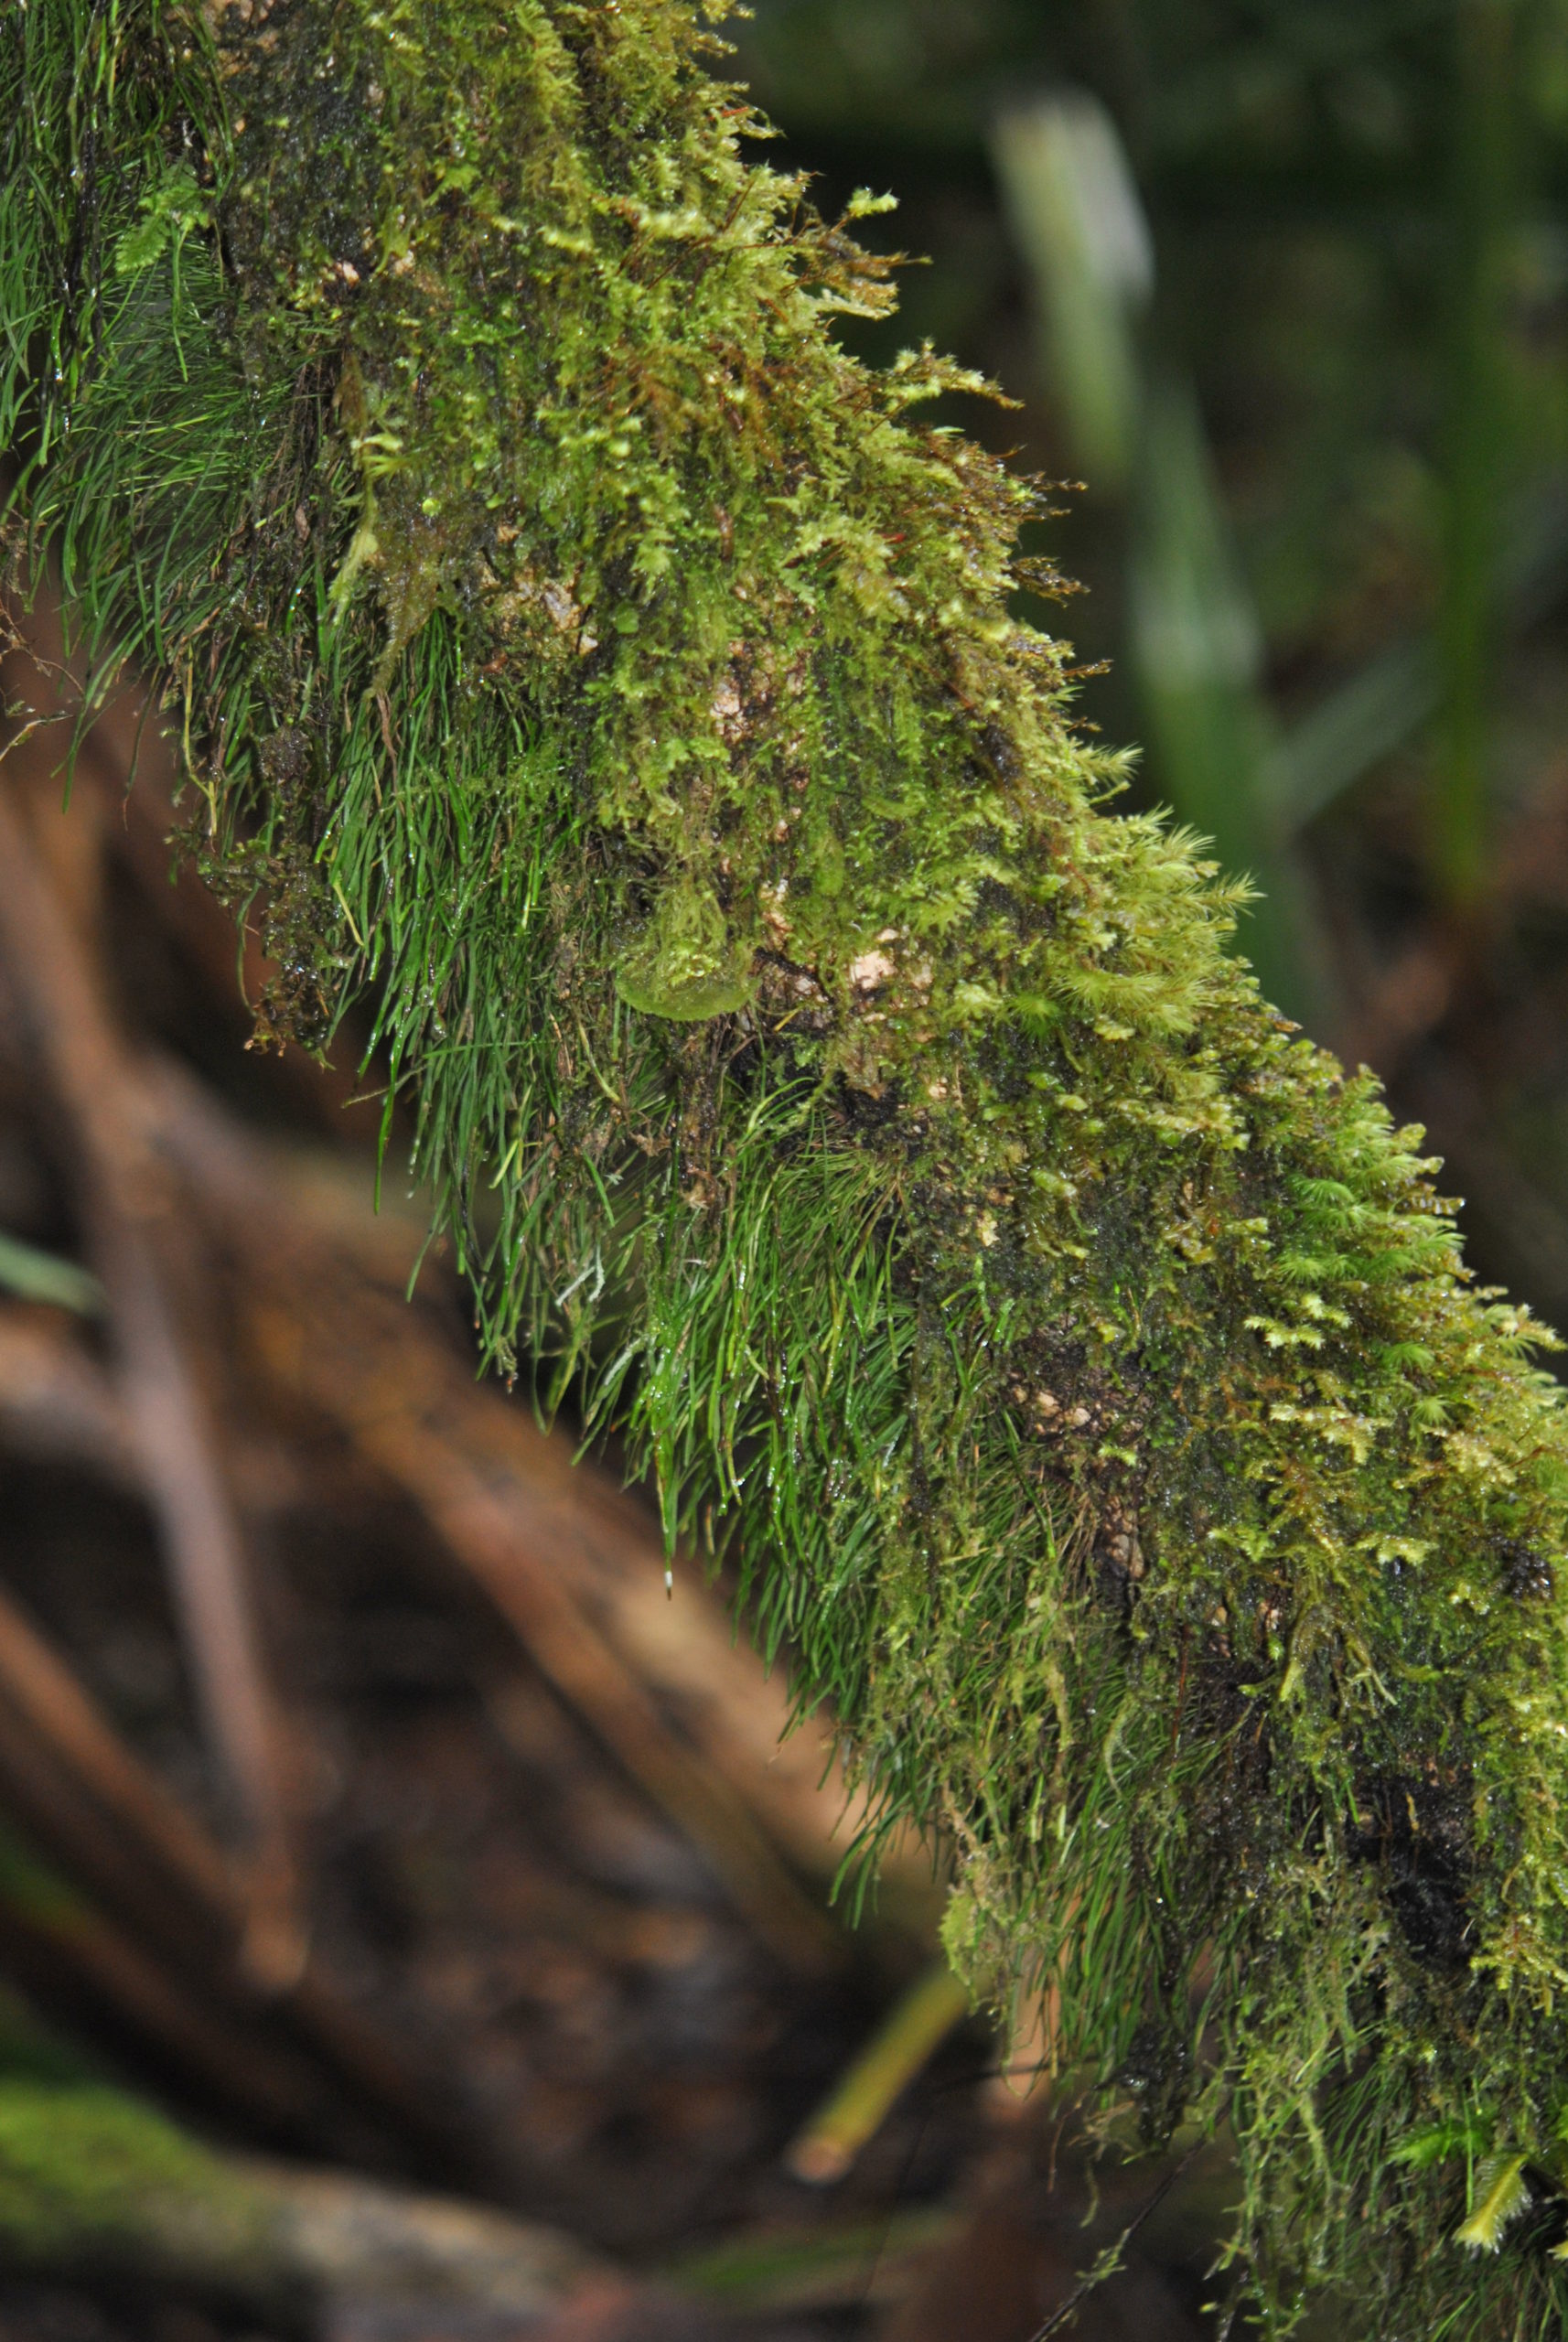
579 654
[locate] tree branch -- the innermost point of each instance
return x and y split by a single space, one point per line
591 663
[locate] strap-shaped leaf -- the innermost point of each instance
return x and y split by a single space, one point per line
1499 2196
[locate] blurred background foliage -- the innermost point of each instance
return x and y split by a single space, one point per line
1285 284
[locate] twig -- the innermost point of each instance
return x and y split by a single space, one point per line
56 1402
40 1690
1109 2261
57 1943
861 2099
134 1844
118 1863
505 1501
55 988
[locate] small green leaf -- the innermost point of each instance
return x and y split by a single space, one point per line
865 205
1469 2135
169 211
44 1276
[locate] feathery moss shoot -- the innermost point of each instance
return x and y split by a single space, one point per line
578 654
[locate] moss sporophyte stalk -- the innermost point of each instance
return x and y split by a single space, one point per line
581 657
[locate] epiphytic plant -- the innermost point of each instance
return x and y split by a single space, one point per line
578 654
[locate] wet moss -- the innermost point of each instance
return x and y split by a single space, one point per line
616 680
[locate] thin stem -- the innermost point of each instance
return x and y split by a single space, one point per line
1109 2261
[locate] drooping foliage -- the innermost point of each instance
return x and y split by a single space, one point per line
579 655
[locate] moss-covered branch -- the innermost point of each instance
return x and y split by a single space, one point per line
95 2185
578 652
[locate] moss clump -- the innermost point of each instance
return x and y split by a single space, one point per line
93 2181
590 660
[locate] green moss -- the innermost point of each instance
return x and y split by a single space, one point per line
92 2180
686 965
586 657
